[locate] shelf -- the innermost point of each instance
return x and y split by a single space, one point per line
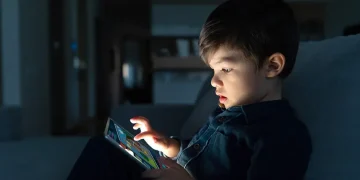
179 63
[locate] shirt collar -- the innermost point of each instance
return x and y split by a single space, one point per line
257 111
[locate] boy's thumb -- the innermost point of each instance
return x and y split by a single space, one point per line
168 162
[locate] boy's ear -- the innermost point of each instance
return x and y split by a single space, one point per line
274 65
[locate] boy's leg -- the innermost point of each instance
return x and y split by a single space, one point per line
102 160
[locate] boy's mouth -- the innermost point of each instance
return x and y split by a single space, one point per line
222 99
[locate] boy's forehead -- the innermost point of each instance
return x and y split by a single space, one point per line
225 55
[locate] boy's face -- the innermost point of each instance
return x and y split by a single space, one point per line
237 80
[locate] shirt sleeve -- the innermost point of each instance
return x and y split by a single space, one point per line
279 158
183 144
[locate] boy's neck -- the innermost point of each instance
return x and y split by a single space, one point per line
271 96
275 93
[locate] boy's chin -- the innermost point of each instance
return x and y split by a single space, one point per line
225 106
222 105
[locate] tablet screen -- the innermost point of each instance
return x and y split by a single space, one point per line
126 142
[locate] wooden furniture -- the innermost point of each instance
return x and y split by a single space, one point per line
174 53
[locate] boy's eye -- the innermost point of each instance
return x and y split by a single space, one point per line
226 69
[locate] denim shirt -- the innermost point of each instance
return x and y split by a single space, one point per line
261 141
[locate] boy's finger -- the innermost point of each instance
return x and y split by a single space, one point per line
143 135
137 126
140 120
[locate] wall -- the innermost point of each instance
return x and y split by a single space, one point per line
179 19
25 75
187 19
341 13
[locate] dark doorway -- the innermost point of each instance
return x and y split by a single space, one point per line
57 67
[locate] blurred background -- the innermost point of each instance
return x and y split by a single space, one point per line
67 63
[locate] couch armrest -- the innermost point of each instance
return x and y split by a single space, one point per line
167 119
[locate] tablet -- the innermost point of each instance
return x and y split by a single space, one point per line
123 139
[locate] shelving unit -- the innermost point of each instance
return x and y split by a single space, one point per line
178 63
171 60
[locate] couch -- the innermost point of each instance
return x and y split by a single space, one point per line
323 88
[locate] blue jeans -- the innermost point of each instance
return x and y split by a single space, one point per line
100 160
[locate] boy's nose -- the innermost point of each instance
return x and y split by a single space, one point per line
215 81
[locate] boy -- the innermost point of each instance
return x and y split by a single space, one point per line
251 45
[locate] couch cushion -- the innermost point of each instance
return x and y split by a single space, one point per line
200 114
205 88
324 89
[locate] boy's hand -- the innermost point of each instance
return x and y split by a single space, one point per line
173 172
154 139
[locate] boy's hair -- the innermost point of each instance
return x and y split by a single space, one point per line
259 28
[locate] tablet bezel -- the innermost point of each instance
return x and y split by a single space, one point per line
123 150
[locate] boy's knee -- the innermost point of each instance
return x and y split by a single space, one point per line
96 141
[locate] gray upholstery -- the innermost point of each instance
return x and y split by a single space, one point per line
205 105
324 89
205 88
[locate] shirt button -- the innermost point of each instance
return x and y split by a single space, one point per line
221 119
196 146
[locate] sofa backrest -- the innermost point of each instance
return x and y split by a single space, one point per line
324 90
204 106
